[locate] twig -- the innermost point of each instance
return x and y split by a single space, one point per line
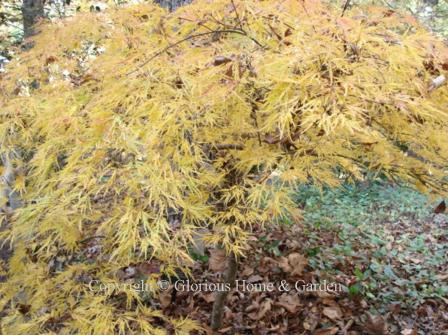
218 21
87 239
346 5
347 327
232 31
237 15
199 23
308 14
229 146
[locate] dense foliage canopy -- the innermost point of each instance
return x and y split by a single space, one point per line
135 133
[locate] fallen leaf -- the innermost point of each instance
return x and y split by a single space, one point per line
208 330
332 313
442 276
311 321
283 263
254 278
440 208
395 308
217 260
294 264
327 331
329 302
298 263
208 297
148 268
165 298
323 294
375 325
409 332
289 302
247 271
445 316
264 308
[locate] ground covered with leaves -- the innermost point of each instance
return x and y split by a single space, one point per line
384 245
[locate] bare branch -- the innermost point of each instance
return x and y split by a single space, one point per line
240 23
229 146
224 31
346 5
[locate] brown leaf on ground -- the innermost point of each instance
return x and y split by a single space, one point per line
254 278
247 271
208 330
208 297
395 308
294 264
298 263
264 308
333 313
311 321
165 298
375 325
329 302
327 331
224 330
290 302
217 260
440 208
266 265
255 303
323 295
148 268
283 263
409 332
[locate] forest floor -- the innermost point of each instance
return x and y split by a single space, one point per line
384 245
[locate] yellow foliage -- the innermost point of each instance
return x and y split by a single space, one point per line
137 128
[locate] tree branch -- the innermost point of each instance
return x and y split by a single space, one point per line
240 23
224 31
346 5
229 146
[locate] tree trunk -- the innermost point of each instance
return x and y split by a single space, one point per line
220 296
172 4
32 11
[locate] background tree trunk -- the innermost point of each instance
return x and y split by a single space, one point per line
32 10
172 4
